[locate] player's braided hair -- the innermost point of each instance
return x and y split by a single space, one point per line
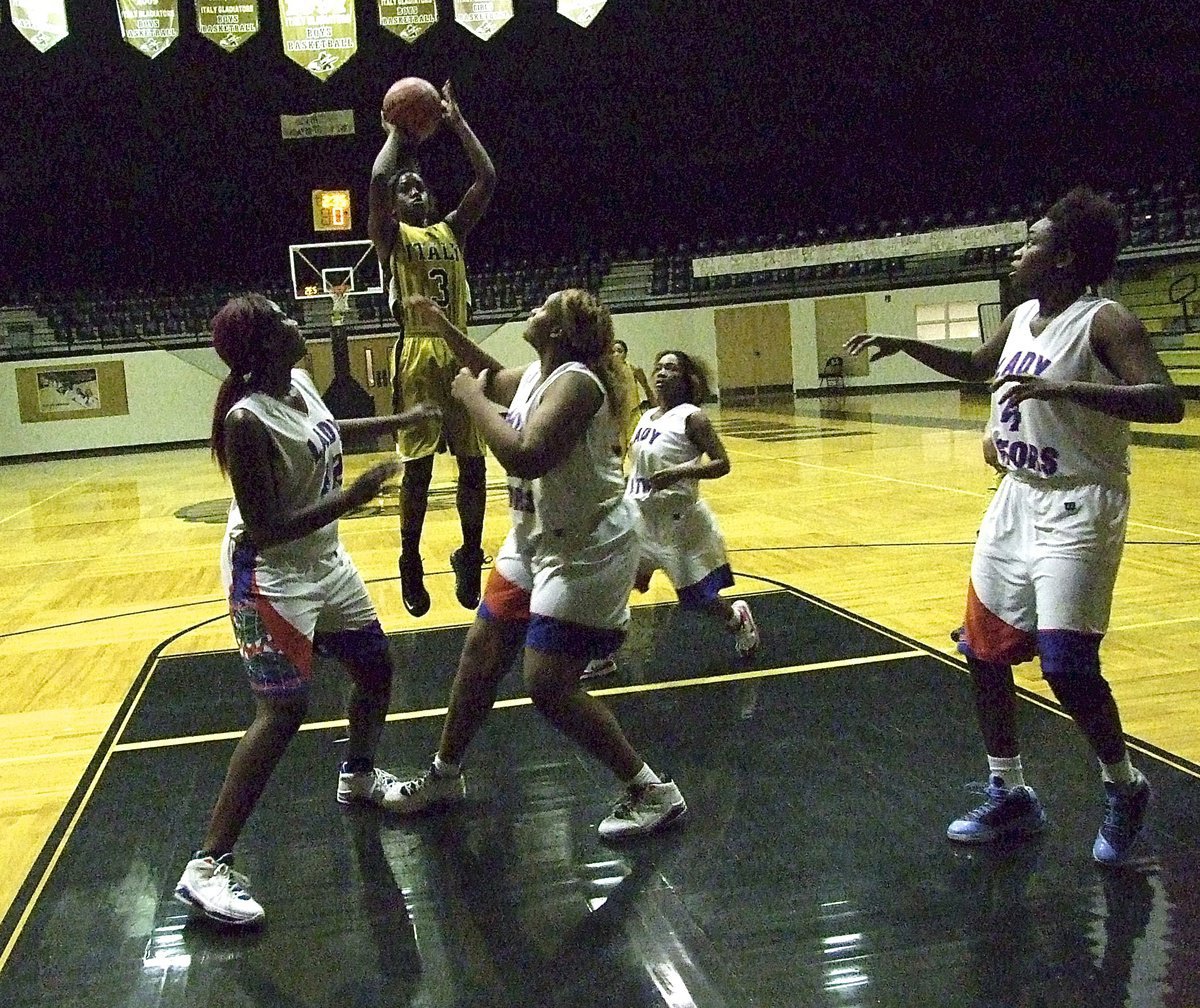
587 336
1089 226
237 329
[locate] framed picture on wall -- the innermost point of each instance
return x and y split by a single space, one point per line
70 391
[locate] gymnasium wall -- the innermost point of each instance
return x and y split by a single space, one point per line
170 395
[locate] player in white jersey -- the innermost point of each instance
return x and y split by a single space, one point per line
1069 371
292 589
679 532
560 586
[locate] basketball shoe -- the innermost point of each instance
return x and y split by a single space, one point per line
466 565
644 809
212 886
371 787
1008 812
412 585
1123 818
745 634
598 668
430 790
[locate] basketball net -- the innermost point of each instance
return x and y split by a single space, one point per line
339 295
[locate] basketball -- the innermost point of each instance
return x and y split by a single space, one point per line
413 105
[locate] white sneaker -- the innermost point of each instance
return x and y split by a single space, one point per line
644 809
371 787
745 636
221 894
429 790
598 668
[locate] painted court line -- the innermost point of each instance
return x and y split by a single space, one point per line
525 701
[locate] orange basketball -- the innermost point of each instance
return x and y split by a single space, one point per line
413 105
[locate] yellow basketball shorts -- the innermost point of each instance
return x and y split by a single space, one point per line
424 367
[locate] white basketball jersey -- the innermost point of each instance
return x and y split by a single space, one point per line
309 447
1057 438
565 507
659 442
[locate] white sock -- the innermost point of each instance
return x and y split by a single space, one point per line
444 769
734 623
1008 769
1122 774
644 776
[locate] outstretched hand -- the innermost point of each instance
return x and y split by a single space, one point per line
419 414
884 346
368 485
451 114
407 139
425 309
467 386
665 478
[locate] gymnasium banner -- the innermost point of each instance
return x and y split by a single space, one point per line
483 18
149 25
339 122
582 12
319 35
408 19
42 22
225 23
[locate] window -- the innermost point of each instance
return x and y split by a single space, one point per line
951 320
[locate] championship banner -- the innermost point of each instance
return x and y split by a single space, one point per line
228 24
319 35
149 25
339 122
42 22
582 12
408 19
896 247
483 18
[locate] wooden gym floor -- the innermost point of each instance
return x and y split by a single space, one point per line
812 869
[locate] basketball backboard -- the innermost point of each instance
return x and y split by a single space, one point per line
318 267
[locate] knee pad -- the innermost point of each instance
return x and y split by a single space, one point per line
1071 667
364 649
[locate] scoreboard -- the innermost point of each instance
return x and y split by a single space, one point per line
331 209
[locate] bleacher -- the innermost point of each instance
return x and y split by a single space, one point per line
1157 278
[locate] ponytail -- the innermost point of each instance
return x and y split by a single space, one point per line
237 331
232 389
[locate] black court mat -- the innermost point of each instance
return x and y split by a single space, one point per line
811 870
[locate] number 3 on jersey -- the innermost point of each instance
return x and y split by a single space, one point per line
440 279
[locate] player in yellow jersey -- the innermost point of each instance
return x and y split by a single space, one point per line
421 255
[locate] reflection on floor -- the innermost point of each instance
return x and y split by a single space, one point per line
811 871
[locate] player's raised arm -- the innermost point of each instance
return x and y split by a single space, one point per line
502 381
962 365
475 200
395 154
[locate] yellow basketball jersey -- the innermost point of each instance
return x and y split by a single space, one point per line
427 260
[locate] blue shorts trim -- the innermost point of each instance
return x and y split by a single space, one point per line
244 559
696 596
555 636
1069 652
